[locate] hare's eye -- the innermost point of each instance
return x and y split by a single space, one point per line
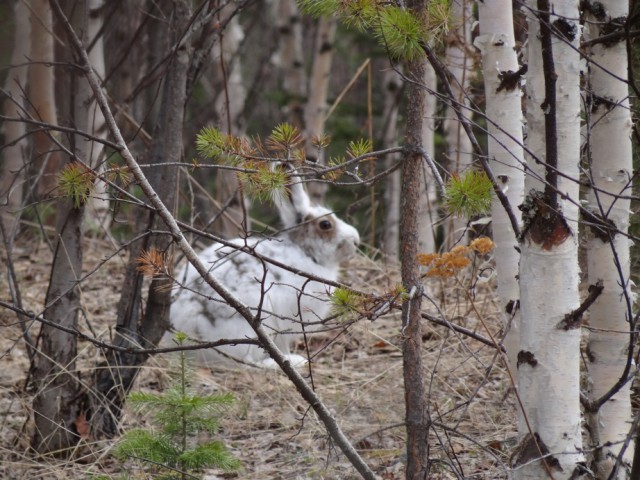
325 225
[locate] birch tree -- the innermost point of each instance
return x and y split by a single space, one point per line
12 173
458 61
230 101
93 152
428 199
391 236
610 370
549 356
316 106
502 76
289 58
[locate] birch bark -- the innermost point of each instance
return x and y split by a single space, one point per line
608 247
549 356
503 94
391 239
230 103
316 107
459 148
428 199
100 217
290 58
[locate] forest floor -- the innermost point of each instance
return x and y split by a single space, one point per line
270 428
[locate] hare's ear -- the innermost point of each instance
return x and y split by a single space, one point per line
293 201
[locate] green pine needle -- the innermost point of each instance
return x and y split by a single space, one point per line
345 302
264 183
396 28
359 147
212 453
469 194
284 137
212 143
76 182
319 8
179 415
401 32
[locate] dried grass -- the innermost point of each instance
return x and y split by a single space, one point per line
270 428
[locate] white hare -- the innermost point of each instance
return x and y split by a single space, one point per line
314 240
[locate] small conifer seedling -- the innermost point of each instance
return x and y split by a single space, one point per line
180 415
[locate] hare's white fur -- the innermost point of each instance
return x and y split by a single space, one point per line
314 241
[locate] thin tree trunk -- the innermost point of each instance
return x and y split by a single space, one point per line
47 160
459 148
391 240
58 403
417 417
100 217
12 172
428 200
549 357
316 107
503 94
607 250
137 326
233 221
289 57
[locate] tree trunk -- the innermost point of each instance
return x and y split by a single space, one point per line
316 107
100 216
290 58
47 160
390 242
549 356
137 326
608 250
12 172
417 417
428 200
59 402
233 221
56 405
503 94
459 149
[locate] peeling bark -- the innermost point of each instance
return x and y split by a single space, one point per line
502 82
316 107
608 258
549 361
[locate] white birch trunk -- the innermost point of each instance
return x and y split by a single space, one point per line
12 168
391 235
549 357
99 216
316 107
289 57
459 149
428 199
608 253
506 154
229 104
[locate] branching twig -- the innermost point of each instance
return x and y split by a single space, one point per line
307 393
